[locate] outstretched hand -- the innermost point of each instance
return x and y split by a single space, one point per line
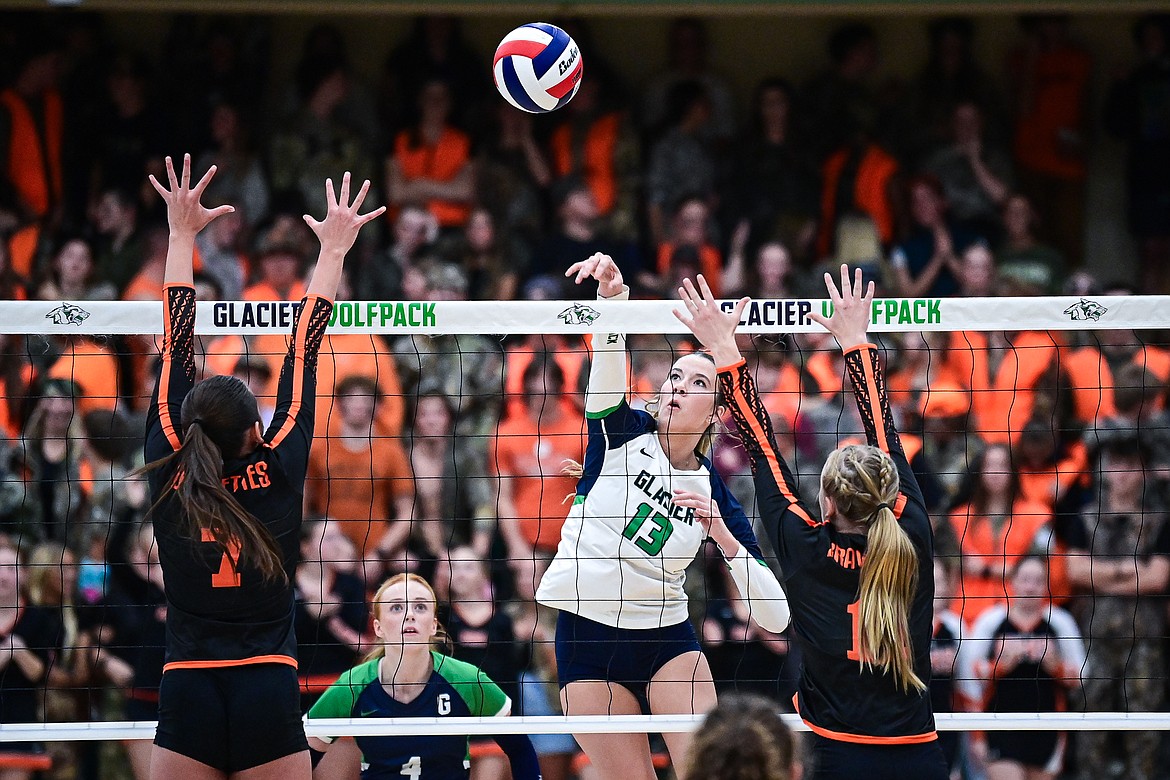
186 216
601 267
342 222
851 309
712 326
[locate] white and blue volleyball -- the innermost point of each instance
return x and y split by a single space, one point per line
537 68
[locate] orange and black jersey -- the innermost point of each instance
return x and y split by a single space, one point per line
839 696
218 615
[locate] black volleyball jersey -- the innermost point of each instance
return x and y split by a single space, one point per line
839 697
218 614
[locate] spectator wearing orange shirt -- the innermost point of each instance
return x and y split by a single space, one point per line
689 228
147 283
598 145
1051 76
93 368
431 162
31 135
280 266
997 528
13 286
1093 371
347 355
531 451
568 352
1050 468
360 478
1003 371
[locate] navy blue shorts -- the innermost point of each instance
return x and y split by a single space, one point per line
587 650
231 718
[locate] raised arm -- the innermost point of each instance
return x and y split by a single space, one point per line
607 370
186 216
775 487
849 324
296 390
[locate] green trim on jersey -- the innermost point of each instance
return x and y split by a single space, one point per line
341 697
483 697
606 413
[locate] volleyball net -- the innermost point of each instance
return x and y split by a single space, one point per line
442 432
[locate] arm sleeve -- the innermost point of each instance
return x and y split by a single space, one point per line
606 392
291 433
767 602
795 533
521 754
869 389
176 374
757 585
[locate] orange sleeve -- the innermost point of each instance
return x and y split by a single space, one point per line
665 250
711 262
393 406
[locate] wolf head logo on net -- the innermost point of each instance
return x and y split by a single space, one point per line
1085 310
68 314
577 314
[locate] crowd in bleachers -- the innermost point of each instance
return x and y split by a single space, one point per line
1044 456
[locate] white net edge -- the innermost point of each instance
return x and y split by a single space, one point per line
584 724
1137 312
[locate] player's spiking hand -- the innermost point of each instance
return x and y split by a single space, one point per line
601 267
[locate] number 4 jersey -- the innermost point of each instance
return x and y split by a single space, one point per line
455 689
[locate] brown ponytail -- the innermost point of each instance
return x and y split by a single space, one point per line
863 483
217 414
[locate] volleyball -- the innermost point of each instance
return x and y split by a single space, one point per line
537 67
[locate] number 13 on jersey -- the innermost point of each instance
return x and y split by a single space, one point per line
649 539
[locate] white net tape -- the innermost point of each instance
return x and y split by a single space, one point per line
584 724
522 317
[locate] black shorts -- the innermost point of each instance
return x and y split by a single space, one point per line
836 760
587 650
1034 749
231 718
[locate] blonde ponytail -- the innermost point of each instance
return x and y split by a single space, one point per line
889 578
863 483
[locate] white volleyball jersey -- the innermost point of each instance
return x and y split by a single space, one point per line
625 547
